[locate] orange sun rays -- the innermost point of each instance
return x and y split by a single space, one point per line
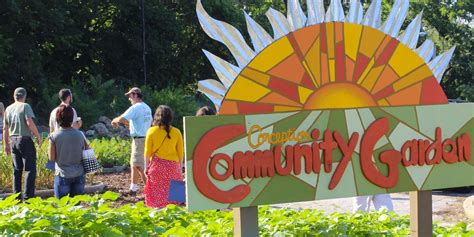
332 65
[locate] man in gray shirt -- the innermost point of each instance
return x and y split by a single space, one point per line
17 131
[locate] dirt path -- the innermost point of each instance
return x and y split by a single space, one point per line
120 183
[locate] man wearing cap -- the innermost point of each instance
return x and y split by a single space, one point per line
17 131
65 95
139 117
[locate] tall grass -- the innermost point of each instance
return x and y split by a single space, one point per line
44 177
109 152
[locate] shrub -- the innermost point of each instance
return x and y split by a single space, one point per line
111 152
180 100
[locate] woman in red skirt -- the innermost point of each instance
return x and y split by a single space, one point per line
164 157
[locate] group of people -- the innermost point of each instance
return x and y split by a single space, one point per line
157 147
157 154
65 147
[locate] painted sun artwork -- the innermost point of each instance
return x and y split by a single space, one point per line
324 60
311 111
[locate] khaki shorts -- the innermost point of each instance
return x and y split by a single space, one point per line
138 150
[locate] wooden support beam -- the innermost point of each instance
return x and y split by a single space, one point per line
421 214
246 222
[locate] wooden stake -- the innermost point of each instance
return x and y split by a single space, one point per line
421 213
246 222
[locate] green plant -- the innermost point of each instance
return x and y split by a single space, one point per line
181 101
111 152
44 177
94 216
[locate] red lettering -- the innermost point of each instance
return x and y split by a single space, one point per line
213 167
315 149
373 133
300 152
328 145
316 158
288 160
411 146
264 164
449 156
422 147
464 147
268 163
391 158
347 151
436 148
212 140
244 165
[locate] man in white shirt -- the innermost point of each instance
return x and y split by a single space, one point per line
139 118
65 95
362 203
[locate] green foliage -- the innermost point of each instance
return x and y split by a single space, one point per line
98 97
96 47
44 177
448 24
181 101
93 215
111 152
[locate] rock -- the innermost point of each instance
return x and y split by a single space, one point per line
119 168
90 133
106 121
469 207
104 128
101 129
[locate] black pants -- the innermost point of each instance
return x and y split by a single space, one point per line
24 158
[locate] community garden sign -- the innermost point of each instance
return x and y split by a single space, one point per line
331 106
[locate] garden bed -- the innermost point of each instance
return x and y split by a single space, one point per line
119 182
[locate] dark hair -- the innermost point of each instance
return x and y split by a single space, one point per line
205 110
139 95
64 116
63 94
163 118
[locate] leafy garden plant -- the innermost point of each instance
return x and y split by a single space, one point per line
110 152
96 216
44 177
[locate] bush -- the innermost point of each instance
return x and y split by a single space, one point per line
97 97
92 98
181 101
111 152
93 216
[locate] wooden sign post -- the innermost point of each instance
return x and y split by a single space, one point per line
246 221
330 106
421 213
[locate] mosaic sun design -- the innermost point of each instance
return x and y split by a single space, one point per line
324 60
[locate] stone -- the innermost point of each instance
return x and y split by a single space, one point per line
101 129
108 122
469 207
90 133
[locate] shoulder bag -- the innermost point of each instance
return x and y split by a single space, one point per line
89 160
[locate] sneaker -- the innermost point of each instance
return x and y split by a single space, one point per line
132 193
